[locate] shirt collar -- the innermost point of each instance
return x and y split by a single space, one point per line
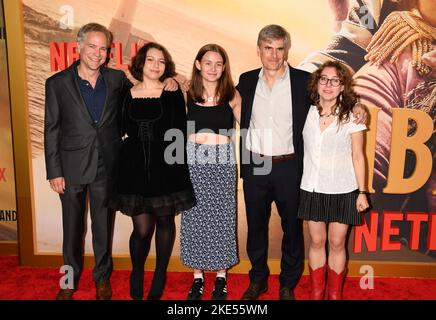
284 76
102 69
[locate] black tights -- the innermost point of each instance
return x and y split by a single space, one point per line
140 241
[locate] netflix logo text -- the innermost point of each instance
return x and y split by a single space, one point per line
367 233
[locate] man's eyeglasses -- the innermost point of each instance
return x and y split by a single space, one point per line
335 82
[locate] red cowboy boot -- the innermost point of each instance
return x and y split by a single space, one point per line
317 282
335 283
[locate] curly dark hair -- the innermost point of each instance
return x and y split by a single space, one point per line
138 61
346 99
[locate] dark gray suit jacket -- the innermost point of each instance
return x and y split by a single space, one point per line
72 141
300 106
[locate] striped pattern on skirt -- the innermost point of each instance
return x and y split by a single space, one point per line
329 207
208 230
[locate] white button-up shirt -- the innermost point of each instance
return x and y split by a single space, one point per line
270 130
328 163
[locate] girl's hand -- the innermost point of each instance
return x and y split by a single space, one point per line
362 203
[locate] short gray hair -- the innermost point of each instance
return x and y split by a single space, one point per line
94 27
274 32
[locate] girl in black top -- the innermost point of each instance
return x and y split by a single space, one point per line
208 230
152 188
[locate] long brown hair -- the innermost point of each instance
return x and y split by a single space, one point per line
225 89
346 99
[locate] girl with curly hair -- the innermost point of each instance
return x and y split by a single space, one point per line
333 188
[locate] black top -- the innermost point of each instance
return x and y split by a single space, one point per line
154 175
218 119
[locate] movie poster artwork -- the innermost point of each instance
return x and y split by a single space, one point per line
400 142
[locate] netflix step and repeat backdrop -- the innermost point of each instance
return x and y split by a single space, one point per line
8 213
401 226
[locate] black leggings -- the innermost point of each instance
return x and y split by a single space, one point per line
140 241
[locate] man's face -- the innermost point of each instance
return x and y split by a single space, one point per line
93 50
272 54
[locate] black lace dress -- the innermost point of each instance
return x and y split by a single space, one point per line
147 182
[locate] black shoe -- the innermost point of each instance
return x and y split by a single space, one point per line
153 297
196 291
220 289
286 294
136 286
157 287
254 291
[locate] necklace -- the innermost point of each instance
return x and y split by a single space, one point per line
210 99
324 117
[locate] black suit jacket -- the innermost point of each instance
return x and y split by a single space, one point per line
72 141
300 106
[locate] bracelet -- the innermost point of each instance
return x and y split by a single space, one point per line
363 192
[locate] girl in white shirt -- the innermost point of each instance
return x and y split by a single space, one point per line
333 188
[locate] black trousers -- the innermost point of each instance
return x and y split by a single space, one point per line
74 223
282 186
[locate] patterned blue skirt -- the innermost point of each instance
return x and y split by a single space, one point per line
208 230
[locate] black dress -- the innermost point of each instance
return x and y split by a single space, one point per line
147 182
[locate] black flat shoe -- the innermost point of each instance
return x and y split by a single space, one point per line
137 286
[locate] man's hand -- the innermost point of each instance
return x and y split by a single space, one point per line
183 82
170 84
58 185
185 85
360 112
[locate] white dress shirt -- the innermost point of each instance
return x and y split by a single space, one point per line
270 130
328 163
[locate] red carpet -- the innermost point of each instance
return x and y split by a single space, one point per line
18 283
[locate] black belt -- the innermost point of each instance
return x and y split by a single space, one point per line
275 159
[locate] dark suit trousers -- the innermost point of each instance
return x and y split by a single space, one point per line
281 186
74 223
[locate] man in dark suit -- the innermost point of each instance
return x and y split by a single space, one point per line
274 108
82 144
275 103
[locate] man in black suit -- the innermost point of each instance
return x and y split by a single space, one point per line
82 144
274 108
275 102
